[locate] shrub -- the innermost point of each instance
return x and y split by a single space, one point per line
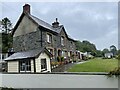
85 58
118 57
5 88
58 58
62 58
53 63
115 72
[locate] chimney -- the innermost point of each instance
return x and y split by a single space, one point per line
55 24
26 8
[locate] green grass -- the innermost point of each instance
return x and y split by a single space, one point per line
95 65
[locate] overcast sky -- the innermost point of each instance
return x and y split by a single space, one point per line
92 21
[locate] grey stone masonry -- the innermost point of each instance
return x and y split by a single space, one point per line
38 39
28 41
32 33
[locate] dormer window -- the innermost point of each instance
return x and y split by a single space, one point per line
49 38
62 41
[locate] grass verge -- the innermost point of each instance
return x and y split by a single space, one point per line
95 65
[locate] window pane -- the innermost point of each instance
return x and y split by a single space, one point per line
49 38
25 65
43 64
22 66
28 66
62 40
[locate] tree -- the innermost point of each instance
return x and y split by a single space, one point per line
118 52
6 25
113 49
6 42
86 46
79 46
99 53
105 51
6 35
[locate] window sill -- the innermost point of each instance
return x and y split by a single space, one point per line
43 70
63 45
25 71
49 42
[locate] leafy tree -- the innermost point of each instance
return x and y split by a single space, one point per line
105 51
6 25
6 37
113 49
99 53
6 42
0 42
118 52
79 46
86 46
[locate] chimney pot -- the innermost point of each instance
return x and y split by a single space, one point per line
26 8
56 23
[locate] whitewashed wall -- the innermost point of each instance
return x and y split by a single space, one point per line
13 66
38 62
32 66
26 26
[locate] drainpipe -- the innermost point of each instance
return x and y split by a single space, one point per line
41 38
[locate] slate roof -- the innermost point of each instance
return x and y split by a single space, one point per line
45 24
27 54
41 23
48 26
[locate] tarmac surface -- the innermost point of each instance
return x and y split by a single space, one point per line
57 81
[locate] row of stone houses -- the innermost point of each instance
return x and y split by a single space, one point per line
36 44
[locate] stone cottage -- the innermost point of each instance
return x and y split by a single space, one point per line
32 33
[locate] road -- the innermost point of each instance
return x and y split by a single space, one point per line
57 81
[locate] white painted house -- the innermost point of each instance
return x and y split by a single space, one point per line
108 55
3 56
88 54
32 61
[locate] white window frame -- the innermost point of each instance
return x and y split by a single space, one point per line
45 67
27 64
48 38
62 40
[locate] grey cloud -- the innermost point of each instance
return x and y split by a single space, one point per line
91 21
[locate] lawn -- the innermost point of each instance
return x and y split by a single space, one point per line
95 65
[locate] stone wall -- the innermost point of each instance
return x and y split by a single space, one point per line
38 39
28 41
